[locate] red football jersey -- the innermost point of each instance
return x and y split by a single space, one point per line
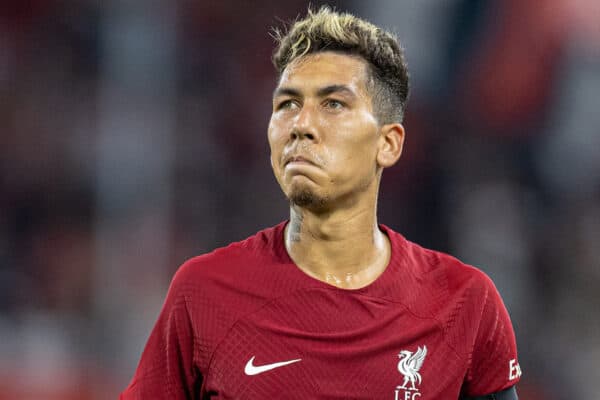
244 322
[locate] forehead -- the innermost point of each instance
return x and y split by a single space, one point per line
326 68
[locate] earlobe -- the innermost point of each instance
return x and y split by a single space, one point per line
390 145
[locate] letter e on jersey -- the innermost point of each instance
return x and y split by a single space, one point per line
514 370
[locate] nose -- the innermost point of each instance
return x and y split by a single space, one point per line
305 126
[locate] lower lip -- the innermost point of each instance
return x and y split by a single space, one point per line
299 162
293 164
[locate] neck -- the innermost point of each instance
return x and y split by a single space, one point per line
344 248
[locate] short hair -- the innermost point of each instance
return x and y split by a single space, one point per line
327 30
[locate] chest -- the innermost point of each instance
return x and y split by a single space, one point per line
320 345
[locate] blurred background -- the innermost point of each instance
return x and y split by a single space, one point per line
133 136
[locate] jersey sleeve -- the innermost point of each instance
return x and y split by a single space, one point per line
166 369
493 363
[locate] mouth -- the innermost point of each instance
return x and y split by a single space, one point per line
298 160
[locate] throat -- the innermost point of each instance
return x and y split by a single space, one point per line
346 260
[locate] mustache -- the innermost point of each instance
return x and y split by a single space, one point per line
302 153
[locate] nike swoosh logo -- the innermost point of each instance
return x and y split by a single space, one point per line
252 369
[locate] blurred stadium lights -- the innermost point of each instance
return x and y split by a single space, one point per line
135 152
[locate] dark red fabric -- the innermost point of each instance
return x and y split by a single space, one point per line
249 300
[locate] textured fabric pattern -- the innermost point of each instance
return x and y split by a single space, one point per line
249 300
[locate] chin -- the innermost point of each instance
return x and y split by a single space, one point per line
307 198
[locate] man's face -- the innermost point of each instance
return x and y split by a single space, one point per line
323 132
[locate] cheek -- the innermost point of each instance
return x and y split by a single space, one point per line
355 142
272 135
276 143
276 133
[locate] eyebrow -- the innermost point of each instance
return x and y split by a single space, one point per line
322 92
286 91
327 90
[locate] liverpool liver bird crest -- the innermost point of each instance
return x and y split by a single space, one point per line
409 365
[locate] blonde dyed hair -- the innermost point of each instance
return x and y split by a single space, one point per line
327 30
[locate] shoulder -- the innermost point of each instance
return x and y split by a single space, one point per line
466 284
437 285
234 258
232 274
442 271
459 275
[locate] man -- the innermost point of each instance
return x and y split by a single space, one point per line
331 304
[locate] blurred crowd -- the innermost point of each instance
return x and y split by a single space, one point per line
134 137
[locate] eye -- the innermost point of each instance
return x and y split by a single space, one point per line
334 104
287 105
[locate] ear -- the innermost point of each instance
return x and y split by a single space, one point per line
391 142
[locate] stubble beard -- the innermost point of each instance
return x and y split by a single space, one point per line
306 198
